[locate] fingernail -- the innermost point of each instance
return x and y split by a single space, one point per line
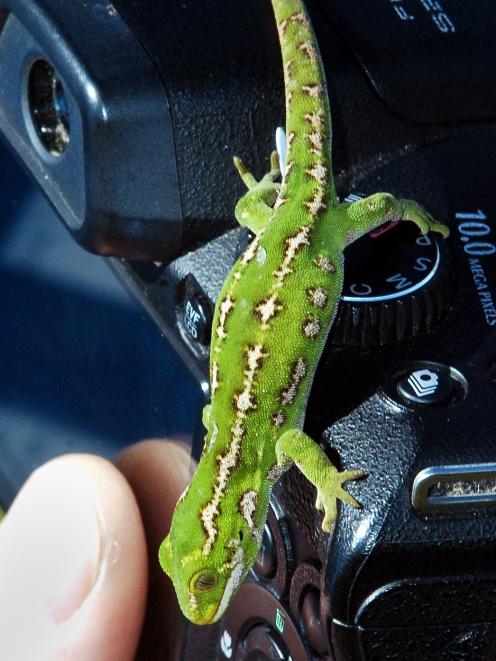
75 566
55 540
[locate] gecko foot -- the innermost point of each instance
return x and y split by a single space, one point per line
416 213
254 209
295 446
331 490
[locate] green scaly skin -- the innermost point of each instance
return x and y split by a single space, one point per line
270 325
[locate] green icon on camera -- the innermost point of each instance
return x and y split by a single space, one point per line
280 621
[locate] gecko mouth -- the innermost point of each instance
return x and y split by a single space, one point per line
205 618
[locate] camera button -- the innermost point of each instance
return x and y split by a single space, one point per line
257 626
263 643
427 384
312 622
196 319
266 562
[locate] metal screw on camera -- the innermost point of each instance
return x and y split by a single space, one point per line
48 107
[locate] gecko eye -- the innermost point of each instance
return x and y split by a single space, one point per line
204 581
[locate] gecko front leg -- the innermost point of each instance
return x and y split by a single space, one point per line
365 215
294 446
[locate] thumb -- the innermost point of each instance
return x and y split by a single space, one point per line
72 565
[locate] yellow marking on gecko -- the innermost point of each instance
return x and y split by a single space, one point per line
267 309
226 307
298 371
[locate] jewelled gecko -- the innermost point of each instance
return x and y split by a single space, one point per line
269 329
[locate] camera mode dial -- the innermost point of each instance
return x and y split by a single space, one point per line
397 283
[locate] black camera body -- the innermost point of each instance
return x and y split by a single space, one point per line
131 134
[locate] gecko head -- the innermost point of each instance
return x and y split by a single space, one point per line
209 550
205 584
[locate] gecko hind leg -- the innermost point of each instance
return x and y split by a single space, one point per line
294 446
254 209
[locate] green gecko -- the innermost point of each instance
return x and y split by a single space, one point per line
270 326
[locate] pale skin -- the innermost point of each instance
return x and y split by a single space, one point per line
270 326
78 563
